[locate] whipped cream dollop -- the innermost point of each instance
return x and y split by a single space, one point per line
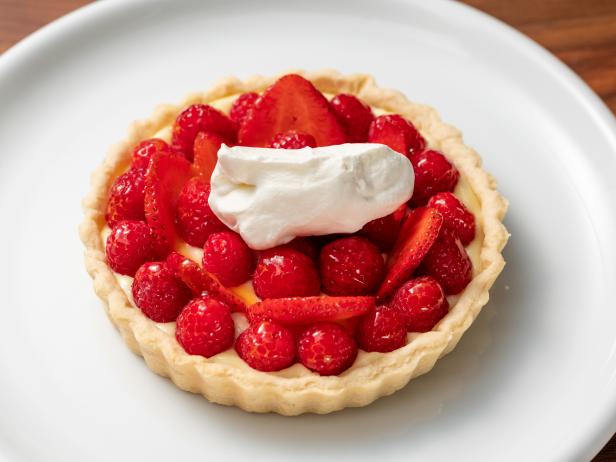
271 196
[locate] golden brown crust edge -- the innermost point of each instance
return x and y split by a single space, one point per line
261 392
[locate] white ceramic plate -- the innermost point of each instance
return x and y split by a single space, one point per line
533 379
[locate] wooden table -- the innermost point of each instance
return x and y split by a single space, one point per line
581 33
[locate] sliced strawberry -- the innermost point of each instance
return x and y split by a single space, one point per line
292 103
307 310
206 149
200 281
418 233
164 181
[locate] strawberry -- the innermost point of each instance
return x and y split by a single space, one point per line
448 263
205 151
128 246
353 115
306 310
158 293
200 118
422 302
285 272
433 174
326 348
292 139
195 219
241 106
384 231
205 327
396 132
126 197
143 152
165 178
266 346
305 245
351 266
200 281
456 217
226 256
292 103
383 329
418 233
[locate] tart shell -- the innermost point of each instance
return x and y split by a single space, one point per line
257 391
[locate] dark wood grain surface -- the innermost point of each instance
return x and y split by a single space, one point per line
582 33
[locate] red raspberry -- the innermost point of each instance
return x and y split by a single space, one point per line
422 302
384 231
354 116
205 327
196 118
305 245
266 346
455 216
396 132
241 106
351 266
143 152
284 272
128 246
195 218
227 257
126 198
448 262
158 293
383 330
293 139
433 174
326 348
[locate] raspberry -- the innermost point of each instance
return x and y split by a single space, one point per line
433 174
456 217
351 266
422 302
396 132
143 152
326 348
292 139
241 106
383 330
384 231
305 245
195 218
227 257
354 116
283 272
266 346
205 327
128 246
448 263
158 293
126 198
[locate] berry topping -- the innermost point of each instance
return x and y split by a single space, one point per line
205 327
398 133
128 246
293 139
195 218
284 272
205 151
384 231
418 233
456 216
292 103
326 348
266 346
143 152
126 198
158 293
433 174
305 245
241 106
354 116
227 257
422 302
198 118
166 177
382 330
351 266
448 263
306 310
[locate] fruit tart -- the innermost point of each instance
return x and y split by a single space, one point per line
300 243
